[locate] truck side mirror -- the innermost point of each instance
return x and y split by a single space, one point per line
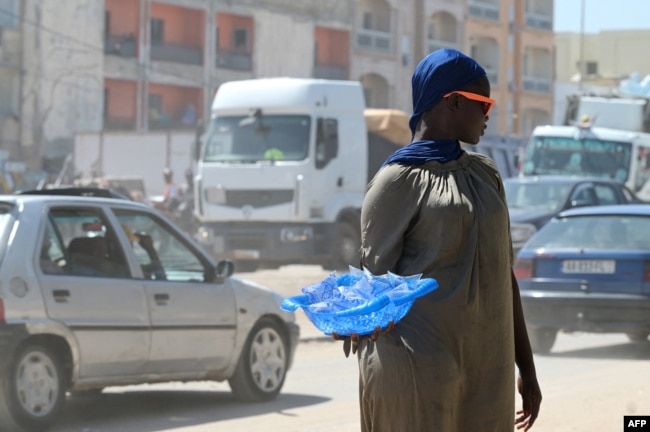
200 130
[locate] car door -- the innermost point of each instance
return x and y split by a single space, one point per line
94 296
193 318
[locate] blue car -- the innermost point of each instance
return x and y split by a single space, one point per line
587 270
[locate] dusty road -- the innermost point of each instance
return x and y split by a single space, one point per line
589 383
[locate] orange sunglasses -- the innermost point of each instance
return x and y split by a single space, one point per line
486 101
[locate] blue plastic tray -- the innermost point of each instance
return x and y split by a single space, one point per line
364 318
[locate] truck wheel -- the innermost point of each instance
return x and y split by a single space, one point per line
33 390
541 339
345 247
262 365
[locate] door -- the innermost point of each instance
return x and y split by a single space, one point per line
193 319
88 287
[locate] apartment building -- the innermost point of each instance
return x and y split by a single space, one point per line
10 67
141 65
513 40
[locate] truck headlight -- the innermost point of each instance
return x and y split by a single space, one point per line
215 195
296 234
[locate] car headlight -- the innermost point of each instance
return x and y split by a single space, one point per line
520 233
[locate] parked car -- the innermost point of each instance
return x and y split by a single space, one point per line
587 270
98 292
533 201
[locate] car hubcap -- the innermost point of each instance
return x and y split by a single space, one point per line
268 360
37 384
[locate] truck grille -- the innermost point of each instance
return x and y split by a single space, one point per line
257 199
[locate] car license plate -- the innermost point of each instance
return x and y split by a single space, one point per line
588 266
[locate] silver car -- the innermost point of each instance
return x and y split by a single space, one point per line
98 292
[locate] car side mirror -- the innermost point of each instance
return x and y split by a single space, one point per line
224 269
580 203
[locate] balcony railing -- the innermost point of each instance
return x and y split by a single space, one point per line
119 123
539 21
187 54
121 45
330 71
536 84
234 60
436 44
374 40
484 10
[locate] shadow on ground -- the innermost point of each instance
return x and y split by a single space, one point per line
150 411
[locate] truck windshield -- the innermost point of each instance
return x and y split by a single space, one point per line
584 157
258 138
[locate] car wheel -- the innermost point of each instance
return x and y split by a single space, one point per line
345 248
541 339
33 390
262 365
638 337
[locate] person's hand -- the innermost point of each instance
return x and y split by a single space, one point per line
352 342
531 396
145 241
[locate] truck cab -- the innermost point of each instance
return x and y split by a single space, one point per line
282 172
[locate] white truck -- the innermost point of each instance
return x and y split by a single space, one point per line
602 137
283 170
284 166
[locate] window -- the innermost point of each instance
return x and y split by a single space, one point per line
592 68
81 242
606 195
240 39
52 257
157 31
159 251
367 20
107 24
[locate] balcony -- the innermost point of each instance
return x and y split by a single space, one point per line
539 21
483 10
435 44
120 45
119 123
330 71
242 61
177 53
374 40
536 84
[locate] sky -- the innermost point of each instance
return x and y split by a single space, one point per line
601 15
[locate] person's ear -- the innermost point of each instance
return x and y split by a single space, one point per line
453 102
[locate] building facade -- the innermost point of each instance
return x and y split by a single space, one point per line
596 63
145 65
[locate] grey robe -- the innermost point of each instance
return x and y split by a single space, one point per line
448 366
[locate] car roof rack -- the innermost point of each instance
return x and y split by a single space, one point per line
77 191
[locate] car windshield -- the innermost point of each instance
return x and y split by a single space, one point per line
536 196
257 138
585 157
595 232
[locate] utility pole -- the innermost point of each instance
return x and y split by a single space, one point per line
582 68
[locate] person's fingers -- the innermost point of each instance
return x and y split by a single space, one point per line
347 343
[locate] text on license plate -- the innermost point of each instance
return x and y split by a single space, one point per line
588 266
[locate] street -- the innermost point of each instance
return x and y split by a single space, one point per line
589 382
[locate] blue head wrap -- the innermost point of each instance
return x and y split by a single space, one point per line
439 73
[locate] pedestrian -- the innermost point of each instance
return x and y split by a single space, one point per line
435 209
171 193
